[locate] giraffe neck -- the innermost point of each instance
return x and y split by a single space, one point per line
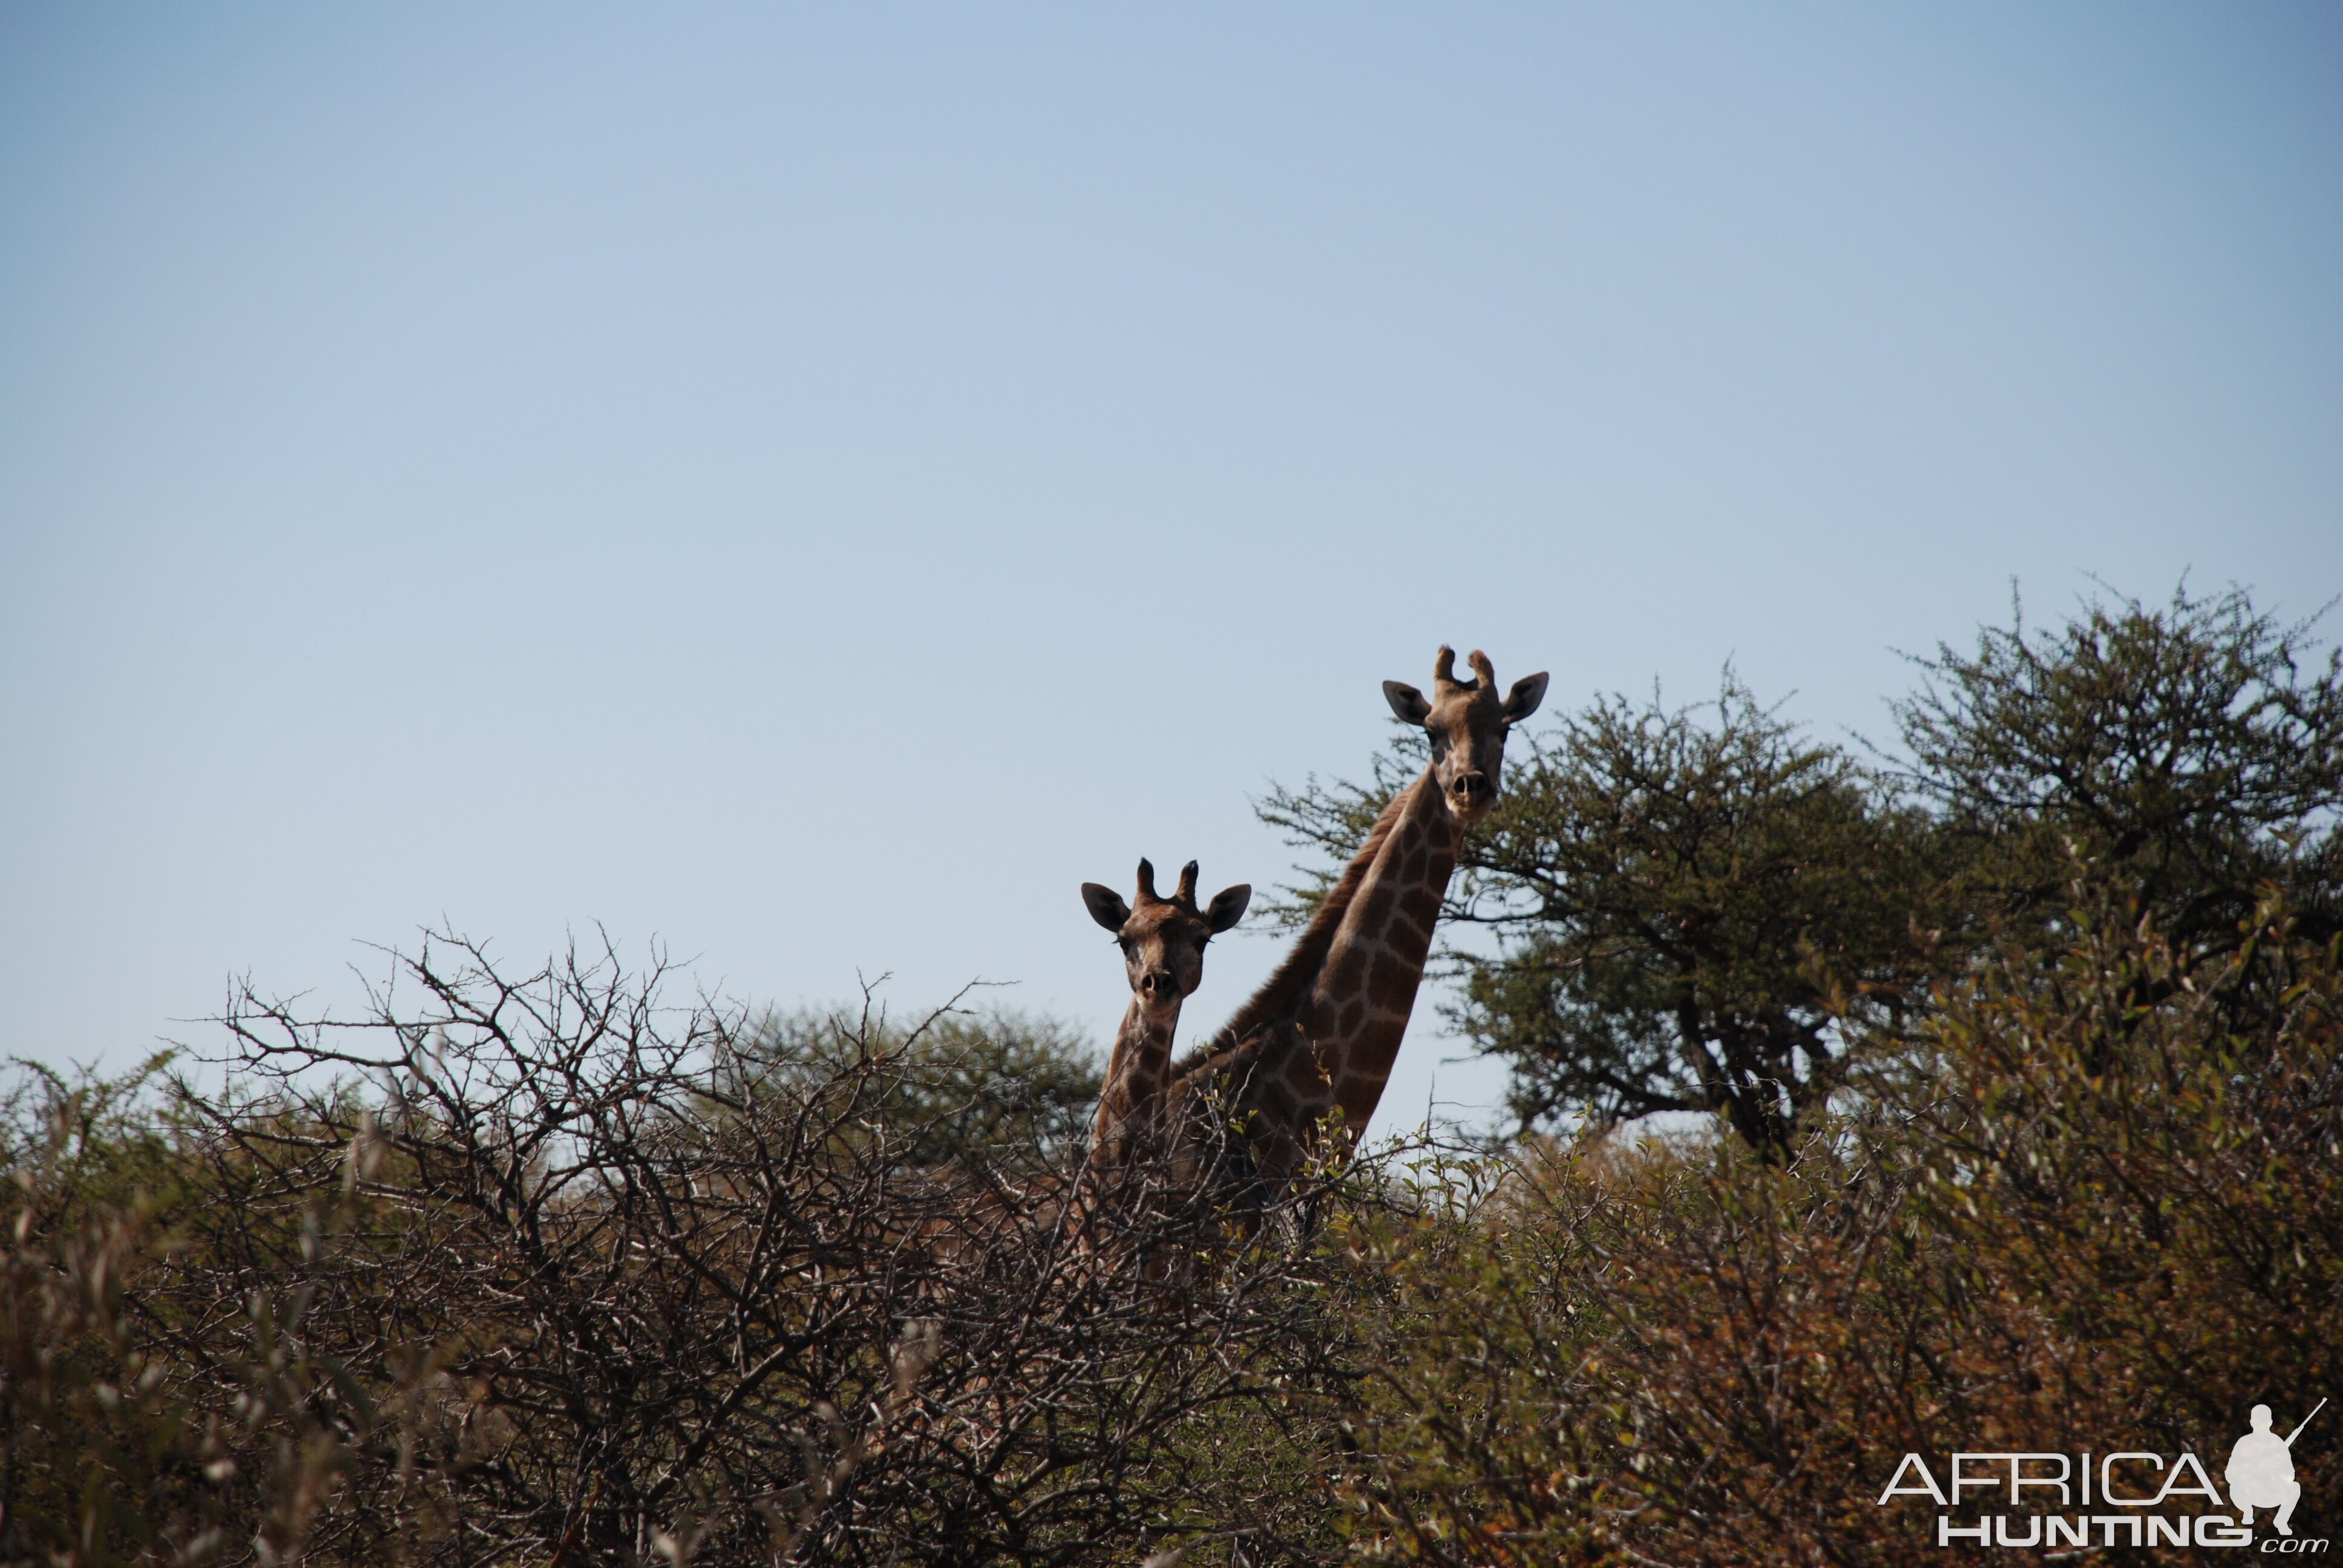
1323 1032
1366 991
1288 989
1136 1075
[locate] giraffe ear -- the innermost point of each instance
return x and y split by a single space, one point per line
1406 701
1228 907
1106 906
1524 698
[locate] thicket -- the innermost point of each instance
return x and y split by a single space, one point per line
2022 1052
540 1270
2074 1221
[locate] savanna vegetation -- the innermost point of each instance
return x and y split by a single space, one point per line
2008 1114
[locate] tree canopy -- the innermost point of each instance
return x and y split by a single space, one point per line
2180 752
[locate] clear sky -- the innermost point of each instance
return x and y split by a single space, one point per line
816 485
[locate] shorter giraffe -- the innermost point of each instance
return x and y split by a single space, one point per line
1162 942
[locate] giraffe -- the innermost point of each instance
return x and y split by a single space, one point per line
1162 942
1321 1034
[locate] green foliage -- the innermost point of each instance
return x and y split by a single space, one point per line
958 1086
2181 751
2096 1222
144 1422
1472 1426
98 1461
1692 916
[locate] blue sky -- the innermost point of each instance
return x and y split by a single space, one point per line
815 486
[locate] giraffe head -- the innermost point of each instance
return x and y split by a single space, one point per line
1164 939
1466 723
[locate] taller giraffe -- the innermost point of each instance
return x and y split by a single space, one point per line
1321 1035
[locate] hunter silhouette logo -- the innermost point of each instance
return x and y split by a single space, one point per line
2127 1498
2261 1471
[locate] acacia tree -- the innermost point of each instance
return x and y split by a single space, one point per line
1688 915
2181 754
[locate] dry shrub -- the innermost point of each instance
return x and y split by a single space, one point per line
543 1270
2104 1212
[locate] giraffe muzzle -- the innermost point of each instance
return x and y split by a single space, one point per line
1472 789
1158 985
